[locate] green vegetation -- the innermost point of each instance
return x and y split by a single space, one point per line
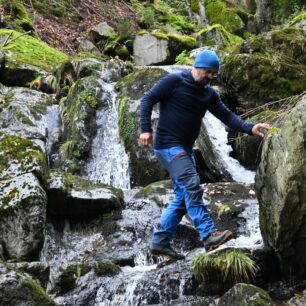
28 50
157 188
232 266
184 59
106 268
300 17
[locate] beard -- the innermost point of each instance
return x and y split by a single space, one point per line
201 80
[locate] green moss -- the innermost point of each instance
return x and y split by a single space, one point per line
157 188
122 52
184 59
28 50
71 275
178 22
218 12
142 32
160 35
38 295
23 152
106 268
228 40
300 17
89 98
273 131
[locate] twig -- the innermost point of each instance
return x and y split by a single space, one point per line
8 37
8 42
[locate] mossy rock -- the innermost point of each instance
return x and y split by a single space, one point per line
78 111
22 217
106 268
19 288
22 20
268 68
70 196
26 58
218 12
144 167
248 148
216 35
20 155
70 275
299 20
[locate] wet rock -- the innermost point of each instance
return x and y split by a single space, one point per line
37 270
264 13
114 70
70 196
88 67
247 73
245 295
22 112
21 63
149 50
19 156
144 167
212 169
19 289
280 186
298 300
22 217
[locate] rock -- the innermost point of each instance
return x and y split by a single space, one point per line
246 74
22 112
298 300
36 269
161 48
212 169
218 36
148 50
19 289
87 46
103 31
281 191
70 196
26 58
144 167
86 67
19 156
247 148
22 217
264 15
245 295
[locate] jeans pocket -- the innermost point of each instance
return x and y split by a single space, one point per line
175 152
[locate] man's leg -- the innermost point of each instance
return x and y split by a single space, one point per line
174 212
182 170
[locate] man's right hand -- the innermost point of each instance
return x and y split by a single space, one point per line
145 139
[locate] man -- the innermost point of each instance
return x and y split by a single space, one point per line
184 98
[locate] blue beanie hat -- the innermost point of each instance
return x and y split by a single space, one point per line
207 59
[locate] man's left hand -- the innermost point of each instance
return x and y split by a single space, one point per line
259 128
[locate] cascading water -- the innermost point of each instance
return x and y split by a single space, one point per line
109 162
218 136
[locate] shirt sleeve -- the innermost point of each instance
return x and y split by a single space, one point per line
219 110
160 92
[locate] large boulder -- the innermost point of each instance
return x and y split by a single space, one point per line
22 112
20 289
19 155
244 295
70 196
144 167
26 58
268 67
160 48
281 190
22 217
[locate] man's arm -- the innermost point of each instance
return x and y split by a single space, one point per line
158 93
219 110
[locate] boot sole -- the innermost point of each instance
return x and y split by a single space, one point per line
226 238
157 253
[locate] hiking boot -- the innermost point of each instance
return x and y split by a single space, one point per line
165 251
216 238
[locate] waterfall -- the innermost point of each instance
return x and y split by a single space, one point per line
218 135
109 162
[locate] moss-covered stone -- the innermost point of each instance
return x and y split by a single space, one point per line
22 21
297 19
20 155
29 50
106 268
218 12
70 276
194 4
130 90
217 35
272 60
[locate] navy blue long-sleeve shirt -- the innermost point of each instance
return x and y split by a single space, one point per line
183 103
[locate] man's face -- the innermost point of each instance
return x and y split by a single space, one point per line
204 75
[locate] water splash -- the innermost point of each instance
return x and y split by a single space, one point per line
218 136
109 162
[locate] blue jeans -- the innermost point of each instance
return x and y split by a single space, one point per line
188 196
